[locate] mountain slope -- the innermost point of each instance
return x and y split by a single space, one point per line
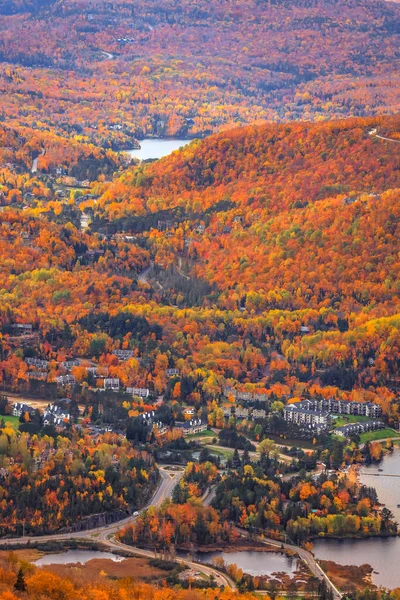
302 215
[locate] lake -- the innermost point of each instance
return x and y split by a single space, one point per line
387 487
254 563
156 148
383 554
75 556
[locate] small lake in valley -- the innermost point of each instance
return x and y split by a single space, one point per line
156 148
382 554
75 556
254 563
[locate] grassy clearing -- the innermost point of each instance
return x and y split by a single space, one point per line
13 421
380 434
290 442
342 420
221 451
203 434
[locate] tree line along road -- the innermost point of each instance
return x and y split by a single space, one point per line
106 534
169 479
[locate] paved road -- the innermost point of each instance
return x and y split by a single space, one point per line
374 132
106 535
107 55
143 277
35 161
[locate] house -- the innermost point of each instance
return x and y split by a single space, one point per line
123 354
302 416
40 375
258 414
334 406
71 362
136 391
246 396
242 413
64 380
56 415
357 428
23 328
158 426
38 363
111 383
98 371
172 372
192 427
19 408
189 411
51 419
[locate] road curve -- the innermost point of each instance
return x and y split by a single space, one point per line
143 277
106 534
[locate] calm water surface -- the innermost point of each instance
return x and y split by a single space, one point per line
157 148
383 554
75 556
379 477
254 563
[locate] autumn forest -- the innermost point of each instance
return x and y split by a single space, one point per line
199 353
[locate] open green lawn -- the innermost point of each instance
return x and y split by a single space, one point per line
224 452
379 434
201 434
14 421
340 420
290 442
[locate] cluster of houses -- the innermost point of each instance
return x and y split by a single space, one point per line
245 413
20 408
356 428
38 363
137 391
191 427
245 396
23 328
123 354
172 373
64 380
54 414
303 417
150 421
316 414
341 407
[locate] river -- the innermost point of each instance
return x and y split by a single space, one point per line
157 148
382 554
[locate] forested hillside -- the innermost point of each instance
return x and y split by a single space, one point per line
291 216
110 72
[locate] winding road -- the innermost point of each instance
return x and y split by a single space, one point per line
374 132
143 277
170 477
106 534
